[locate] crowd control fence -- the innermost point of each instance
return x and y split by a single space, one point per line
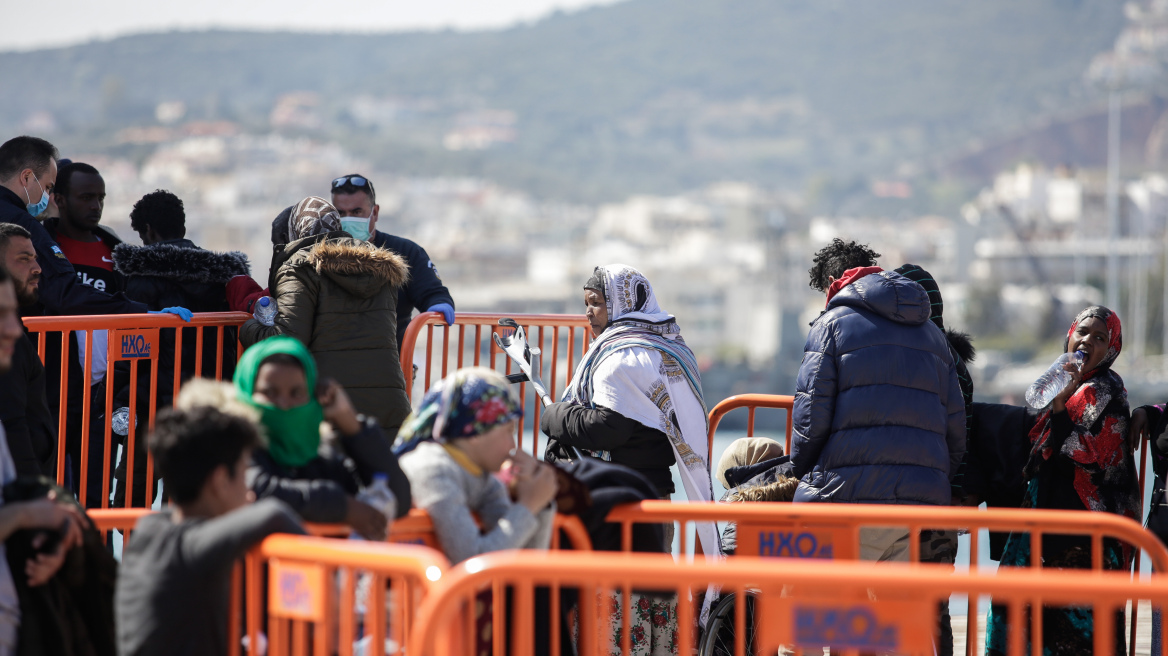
823 531
326 596
751 402
128 338
562 339
849 606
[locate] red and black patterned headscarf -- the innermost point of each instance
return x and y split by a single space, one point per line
1104 467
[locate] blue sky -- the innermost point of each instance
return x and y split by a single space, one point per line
48 23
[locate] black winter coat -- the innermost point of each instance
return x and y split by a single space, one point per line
634 445
178 273
319 490
61 292
878 415
24 411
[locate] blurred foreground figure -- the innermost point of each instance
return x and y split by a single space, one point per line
174 587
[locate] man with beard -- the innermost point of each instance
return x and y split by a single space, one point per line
24 408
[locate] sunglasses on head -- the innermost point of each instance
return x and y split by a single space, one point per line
352 180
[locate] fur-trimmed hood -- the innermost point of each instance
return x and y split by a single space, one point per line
359 267
181 261
962 345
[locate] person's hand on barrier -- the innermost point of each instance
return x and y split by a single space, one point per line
181 312
366 520
1137 428
447 312
338 408
535 487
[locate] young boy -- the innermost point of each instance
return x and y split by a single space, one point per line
173 589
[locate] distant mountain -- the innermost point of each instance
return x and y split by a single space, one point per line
646 95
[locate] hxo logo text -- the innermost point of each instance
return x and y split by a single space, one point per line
855 626
135 346
790 544
294 592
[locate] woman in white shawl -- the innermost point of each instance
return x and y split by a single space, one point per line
636 398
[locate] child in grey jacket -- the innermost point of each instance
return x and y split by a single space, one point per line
463 432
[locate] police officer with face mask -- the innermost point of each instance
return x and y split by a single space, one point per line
28 170
356 203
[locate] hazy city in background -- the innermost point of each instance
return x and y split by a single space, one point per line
1016 152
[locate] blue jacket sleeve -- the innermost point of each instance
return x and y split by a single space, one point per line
956 426
61 292
815 392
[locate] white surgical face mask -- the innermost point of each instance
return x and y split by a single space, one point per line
357 227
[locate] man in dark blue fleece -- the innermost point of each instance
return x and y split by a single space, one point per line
878 415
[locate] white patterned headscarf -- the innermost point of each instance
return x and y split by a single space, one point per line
630 299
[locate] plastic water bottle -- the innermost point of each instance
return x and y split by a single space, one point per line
265 311
378 495
120 421
1049 384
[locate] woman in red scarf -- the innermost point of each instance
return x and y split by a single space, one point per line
1079 460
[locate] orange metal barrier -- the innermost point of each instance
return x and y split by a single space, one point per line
304 574
558 336
751 402
416 528
820 531
133 338
848 606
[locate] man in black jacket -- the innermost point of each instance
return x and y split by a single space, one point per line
24 408
356 203
170 270
28 172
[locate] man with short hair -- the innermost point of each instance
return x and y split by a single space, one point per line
170 270
88 245
28 173
174 583
24 407
43 514
878 414
356 202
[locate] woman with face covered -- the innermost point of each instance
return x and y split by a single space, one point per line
1080 459
319 479
636 397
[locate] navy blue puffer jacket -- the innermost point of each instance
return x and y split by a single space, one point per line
878 414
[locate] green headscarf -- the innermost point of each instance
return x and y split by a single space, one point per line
293 434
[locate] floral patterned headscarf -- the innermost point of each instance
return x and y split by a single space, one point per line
467 403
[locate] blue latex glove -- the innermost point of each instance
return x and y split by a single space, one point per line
182 312
446 310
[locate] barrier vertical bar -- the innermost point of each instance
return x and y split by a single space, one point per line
461 343
523 633
685 619
1104 628
234 609
149 498
106 447
478 340
346 633
198 351
555 360
220 335
252 578
178 340
63 406
445 349
740 627
128 452
87 373
429 357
